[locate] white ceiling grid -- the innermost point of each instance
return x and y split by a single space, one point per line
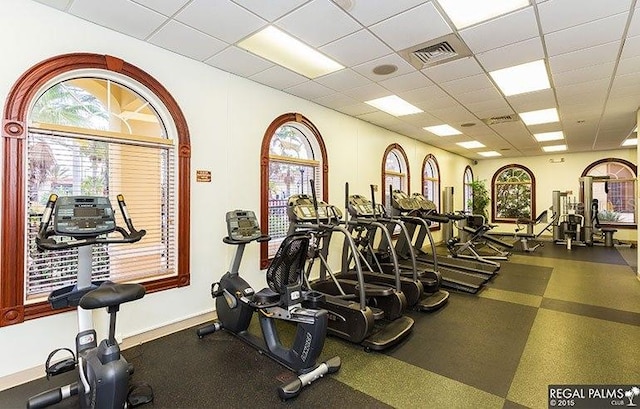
591 48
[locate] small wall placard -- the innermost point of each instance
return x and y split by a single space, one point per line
203 176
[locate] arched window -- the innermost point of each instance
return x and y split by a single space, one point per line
86 124
467 189
513 192
616 195
395 170
431 183
293 152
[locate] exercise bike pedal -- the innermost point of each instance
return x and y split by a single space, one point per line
139 394
63 366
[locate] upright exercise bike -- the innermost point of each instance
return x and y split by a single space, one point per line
103 373
236 302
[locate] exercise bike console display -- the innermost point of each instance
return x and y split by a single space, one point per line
84 216
242 225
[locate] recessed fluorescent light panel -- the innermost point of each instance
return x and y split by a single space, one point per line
522 78
470 144
549 136
554 148
465 13
394 105
442 130
282 49
630 142
489 154
542 116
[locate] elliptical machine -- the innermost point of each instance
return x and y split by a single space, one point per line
103 373
236 302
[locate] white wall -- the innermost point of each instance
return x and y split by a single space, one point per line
550 176
227 118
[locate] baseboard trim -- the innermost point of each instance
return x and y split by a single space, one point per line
31 374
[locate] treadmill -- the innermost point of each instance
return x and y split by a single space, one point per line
414 216
346 299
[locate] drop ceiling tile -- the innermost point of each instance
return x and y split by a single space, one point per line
454 115
582 92
428 98
489 108
533 101
59 4
464 67
626 85
182 39
413 27
318 22
366 69
166 7
560 14
343 80
511 28
356 48
238 61
585 58
594 72
421 119
586 35
628 66
589 112
406 82
626 103
468 84
121 15
371 11
357 109
367 92
268 10
634 27
379 118
480 95
336 100
309 90
222 19
513 54
631 47
278 77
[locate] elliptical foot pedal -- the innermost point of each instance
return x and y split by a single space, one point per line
139 394
378 313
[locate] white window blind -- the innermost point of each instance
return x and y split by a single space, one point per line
141 169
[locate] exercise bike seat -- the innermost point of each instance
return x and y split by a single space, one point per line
266 296
111 294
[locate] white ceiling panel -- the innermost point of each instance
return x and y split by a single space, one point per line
366 69
489 108
626 85
454 115
356 48
121 15
182 39
166 7
239 62
371 11
268 10
533 101
464 67
367 92
356 109
430 93
59 4
634 27
586 35
309 90
511 28
336 100
318 22
628 66
512 54
631 47
480 95
468 84
586 57
560 14
582 91
629 103
278 77
343 80
594 72
421 120
406 82
222 19
412 27
380 118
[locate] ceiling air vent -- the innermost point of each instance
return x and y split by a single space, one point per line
494 120
435 52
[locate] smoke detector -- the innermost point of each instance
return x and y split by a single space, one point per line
435 52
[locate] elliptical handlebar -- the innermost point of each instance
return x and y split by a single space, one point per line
45 240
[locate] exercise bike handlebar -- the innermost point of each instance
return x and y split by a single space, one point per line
45 240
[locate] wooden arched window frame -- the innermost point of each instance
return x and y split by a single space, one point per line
284 119
14 134
630 206
431 159
494 217
467 190
385 187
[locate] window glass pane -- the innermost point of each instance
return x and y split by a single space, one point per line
392 162
513 194
468 190
616 197
290 142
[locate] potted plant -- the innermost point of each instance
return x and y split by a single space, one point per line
479 198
